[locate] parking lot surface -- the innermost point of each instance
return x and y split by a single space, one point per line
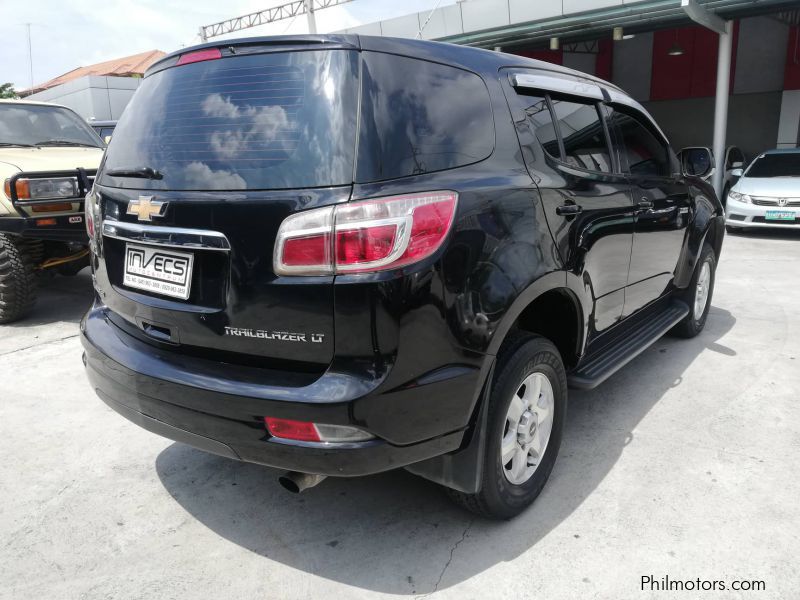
684 464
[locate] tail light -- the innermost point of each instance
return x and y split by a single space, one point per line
91 217
366 236
306 431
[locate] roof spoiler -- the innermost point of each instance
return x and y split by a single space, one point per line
258 45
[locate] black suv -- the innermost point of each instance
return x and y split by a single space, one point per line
340 255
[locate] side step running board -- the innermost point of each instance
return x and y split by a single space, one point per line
602 364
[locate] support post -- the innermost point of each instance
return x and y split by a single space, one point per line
312 21
721 105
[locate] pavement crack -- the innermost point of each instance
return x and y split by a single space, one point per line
449 560
55 341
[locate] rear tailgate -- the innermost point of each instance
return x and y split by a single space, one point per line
237 143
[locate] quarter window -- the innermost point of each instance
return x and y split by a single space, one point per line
418 117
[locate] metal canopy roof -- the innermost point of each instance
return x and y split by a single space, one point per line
640 17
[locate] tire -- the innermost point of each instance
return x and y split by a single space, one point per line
523 357
17 277
694 322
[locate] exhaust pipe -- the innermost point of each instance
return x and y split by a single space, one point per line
297 482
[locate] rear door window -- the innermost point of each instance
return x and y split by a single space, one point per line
585 142
640 149
265 121
419 117
568 130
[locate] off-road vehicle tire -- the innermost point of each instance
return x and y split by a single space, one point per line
522 356
18 260
694 322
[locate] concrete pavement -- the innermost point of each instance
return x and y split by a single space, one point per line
684 464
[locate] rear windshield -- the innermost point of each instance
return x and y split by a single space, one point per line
265 121
775 165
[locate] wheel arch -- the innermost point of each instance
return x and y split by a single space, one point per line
549 308
708 224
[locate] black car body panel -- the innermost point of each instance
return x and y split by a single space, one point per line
403 354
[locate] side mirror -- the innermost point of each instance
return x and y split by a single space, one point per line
737 165
738 172
696 162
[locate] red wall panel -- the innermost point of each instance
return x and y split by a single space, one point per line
692 74
604 59
791 79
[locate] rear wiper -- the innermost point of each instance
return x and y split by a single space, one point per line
142 172
64 143
17 145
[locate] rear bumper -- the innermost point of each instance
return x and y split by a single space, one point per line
189 407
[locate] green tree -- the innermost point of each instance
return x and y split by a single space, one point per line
7 90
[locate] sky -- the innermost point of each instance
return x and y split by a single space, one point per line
66 34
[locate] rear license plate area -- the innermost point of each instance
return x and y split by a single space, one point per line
158 270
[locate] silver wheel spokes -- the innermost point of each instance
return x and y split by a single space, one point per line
701 291
529 423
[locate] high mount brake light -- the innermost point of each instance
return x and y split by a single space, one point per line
366 236
199 56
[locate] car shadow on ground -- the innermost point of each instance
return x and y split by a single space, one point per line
396 533
59 298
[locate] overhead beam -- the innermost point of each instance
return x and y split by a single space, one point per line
701 16
289 10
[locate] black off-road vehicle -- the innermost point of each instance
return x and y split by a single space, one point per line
339 255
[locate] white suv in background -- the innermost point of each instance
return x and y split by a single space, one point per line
768 193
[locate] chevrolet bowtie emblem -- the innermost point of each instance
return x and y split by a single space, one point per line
145 208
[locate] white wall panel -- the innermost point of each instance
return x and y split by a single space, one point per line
575 6
484 14
444 21
522 11
367 29
404 27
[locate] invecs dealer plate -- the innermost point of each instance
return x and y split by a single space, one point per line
159 271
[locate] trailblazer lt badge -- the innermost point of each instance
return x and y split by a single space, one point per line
280 336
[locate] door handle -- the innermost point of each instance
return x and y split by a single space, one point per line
567 210
644 204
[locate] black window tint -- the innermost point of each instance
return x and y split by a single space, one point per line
418 117
775 165
263 121
585 144
734 156
540 121
641 150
